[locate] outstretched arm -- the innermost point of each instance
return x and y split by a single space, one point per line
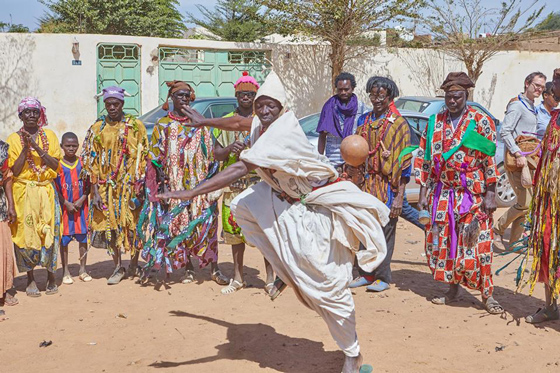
221 180
234 123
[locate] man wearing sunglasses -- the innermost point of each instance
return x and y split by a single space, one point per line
227 147
520 120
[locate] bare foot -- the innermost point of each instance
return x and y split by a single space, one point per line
352 364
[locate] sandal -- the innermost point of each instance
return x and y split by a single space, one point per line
116 277
188 277
33 293
85 277
11 300
51 289
493 307
67 280
219 278
233 286
444 300
280 287
542 315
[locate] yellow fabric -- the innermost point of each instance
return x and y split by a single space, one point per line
35 203
98 145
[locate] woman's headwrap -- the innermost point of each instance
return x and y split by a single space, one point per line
246 83
33 103
273 88
174 86
457 81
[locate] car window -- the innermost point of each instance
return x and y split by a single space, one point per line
414 136
309 125
411 105
207 113
220 110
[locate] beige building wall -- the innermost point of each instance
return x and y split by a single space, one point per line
41 65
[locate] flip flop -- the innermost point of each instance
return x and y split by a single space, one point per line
12 301
33 294
85 277
366 368
444 300
233 286
359 282
219 278
67 280
378 286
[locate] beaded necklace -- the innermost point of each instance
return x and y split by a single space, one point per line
384 124
113 176
177 118
29 157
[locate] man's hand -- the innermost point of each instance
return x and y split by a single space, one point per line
520 161
195 117
423 199
489 203
184 195
396 207
96 200
69 206
236 148
12 216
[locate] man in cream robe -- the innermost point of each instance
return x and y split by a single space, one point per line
312 242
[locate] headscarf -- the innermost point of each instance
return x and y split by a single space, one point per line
457 81
246 83
33 103
329 121
174 86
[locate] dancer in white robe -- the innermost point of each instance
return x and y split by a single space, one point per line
307 223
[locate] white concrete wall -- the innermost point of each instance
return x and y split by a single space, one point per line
41 65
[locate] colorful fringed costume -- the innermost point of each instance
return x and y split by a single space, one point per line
543 216
113 157
456 165
172 233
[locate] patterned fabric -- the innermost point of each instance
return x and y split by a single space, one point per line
384 172
72 187
172 233
4 171
33 103
231 232
543 214
465 175
115 163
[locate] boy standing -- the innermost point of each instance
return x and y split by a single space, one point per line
73 193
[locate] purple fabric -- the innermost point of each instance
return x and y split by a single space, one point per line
468 201
329 120
450 213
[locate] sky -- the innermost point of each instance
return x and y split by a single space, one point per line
27 12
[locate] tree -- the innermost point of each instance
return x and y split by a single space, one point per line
473 33
550 23
341 23
233 20
11 27
119 17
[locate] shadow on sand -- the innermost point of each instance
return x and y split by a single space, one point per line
263 345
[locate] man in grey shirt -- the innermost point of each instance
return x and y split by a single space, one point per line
520 119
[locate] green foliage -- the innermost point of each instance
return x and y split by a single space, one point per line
234 20
118 17
339 22
550 23
457 24
11 27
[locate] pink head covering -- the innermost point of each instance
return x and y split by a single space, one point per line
33 103
246 83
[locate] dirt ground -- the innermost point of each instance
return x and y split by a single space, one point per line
173 327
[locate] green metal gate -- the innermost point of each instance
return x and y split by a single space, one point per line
119 65
212 73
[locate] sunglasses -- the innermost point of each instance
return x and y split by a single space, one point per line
185 94
248 94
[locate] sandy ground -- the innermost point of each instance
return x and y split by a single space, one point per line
193 328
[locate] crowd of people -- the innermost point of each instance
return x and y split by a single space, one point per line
314 217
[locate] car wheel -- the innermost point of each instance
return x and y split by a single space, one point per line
505 197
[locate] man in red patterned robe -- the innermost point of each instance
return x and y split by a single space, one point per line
456 170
